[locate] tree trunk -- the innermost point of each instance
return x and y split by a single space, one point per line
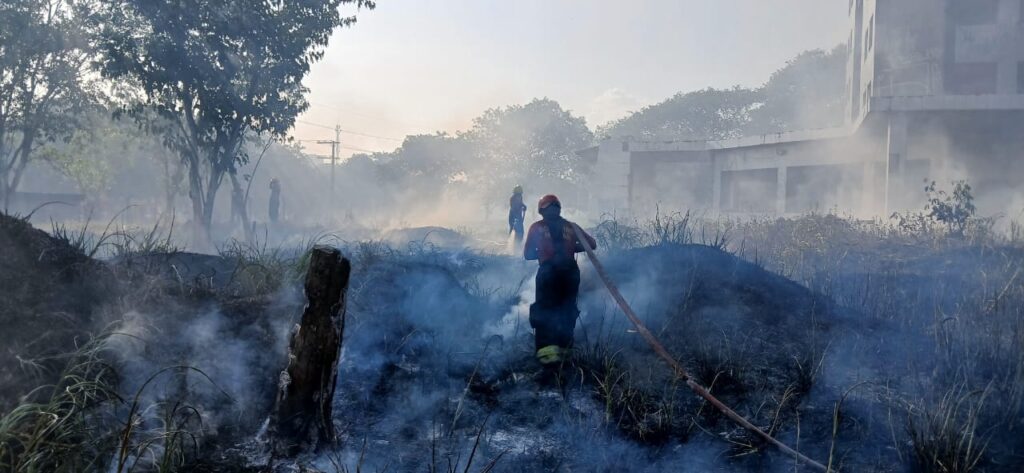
210 194
15 169
204 198
200 232
5 194
172 180
243 211
302 415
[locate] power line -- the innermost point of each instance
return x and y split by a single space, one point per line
350 112
320 125
347 111
315 124
353 148
372 136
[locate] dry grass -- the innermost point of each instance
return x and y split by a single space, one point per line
65 431
664 229
973 377
631 404
961 295
945 435
78 425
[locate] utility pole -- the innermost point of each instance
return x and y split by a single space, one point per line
335 151
335 148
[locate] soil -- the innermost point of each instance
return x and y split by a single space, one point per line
437 349
49 294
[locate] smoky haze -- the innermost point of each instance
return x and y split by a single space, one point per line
445 148
757 190
477 118
411 68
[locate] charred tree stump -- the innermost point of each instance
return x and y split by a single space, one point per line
302 414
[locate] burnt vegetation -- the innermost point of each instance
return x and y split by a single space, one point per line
868 346
884 345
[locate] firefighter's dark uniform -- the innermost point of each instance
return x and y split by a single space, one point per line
516 212
553 315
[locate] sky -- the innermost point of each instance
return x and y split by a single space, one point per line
421 66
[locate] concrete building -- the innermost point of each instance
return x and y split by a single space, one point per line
935 90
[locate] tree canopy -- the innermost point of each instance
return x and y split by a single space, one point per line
537 140
533 144
806 93
536 143
218 71
43 56
709 114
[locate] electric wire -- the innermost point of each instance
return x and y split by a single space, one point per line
350 132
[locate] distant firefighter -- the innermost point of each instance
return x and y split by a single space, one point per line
552 241
516 213
275 200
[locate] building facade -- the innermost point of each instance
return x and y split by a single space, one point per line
935 90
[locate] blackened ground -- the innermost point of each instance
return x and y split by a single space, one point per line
49 292
225 318
424 368
755 339
437 354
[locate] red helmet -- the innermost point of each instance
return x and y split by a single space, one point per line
548 200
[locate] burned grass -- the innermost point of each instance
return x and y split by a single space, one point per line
49 295
859 346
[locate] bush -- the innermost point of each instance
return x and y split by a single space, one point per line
953 210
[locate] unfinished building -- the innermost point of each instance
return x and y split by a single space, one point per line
935 90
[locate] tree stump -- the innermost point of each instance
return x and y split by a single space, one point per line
302 413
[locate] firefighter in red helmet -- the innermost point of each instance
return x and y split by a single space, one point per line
552 242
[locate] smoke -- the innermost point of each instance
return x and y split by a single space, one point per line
518 316
613 104
438 349
846 175
199 367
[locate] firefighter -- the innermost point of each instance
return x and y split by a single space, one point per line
516 213
552 241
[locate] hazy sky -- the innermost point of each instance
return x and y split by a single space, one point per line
418 66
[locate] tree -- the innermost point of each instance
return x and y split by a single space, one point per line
87 157
538 139
407 181
805 93
219 71
432 159
709 114
105 153
533 144
42 60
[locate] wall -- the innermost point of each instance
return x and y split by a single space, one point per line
910 48
611 179
670 181
936 91
986 47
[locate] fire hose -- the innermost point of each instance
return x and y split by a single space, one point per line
681 372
